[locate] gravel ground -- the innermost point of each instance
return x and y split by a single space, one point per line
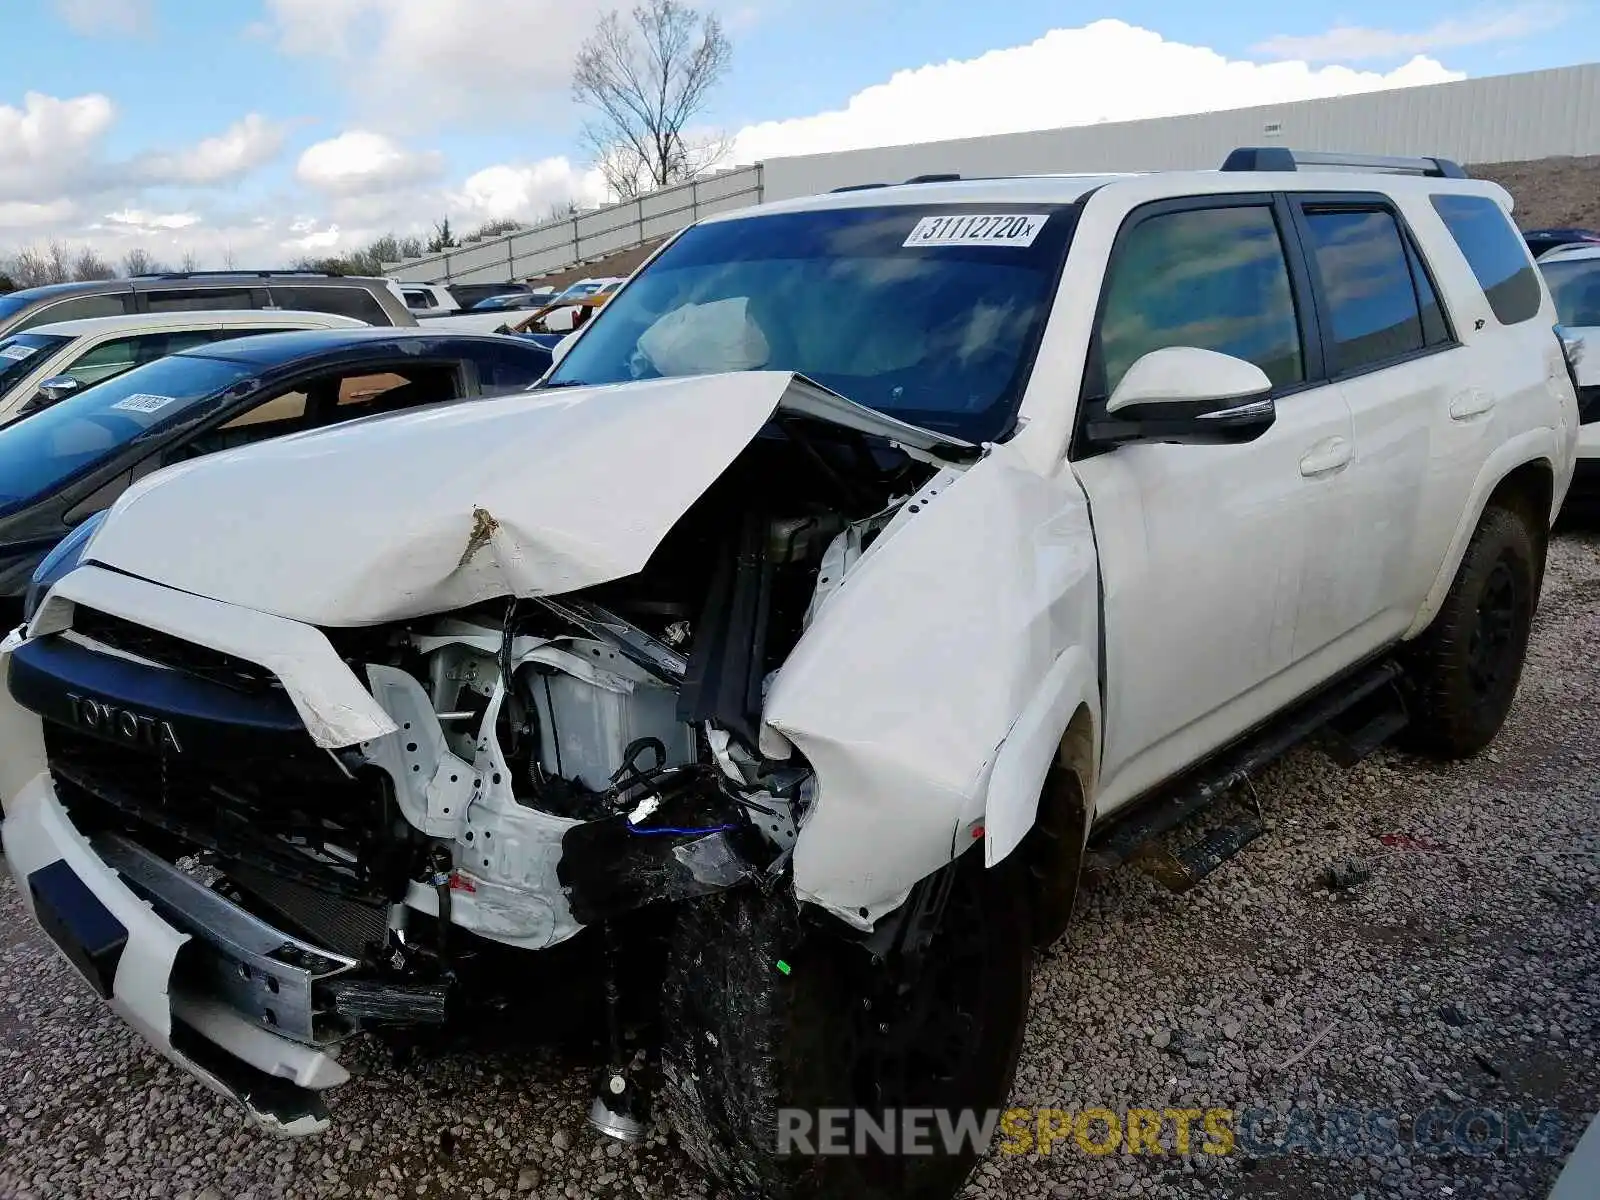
1453 966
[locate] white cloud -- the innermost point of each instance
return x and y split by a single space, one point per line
1354 43
25 216
140 221
49 144
1106 71
251 142
103 18
431 61
526 191
360 161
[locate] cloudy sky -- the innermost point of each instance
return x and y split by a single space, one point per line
268 129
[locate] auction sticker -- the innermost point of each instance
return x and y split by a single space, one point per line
978 229
17 353
143 402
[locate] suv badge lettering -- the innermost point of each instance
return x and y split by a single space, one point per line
122 723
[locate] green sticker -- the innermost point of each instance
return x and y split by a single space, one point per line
783 966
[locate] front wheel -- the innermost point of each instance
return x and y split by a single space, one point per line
1465 668
770 1019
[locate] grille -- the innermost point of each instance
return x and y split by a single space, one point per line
348 926
200 661
298 816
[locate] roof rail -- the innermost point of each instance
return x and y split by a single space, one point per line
1280 158
232 274
950 178
856 187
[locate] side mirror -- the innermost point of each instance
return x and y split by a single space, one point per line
1185 394
57 388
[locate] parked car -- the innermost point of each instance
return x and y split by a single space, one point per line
514 300
373 301
48 362
61 466
562 316
868 565
1573 276
427 300
1542 240
468 295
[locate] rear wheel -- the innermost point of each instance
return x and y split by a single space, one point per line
1465 669
829 1028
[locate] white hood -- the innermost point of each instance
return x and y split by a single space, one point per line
532 494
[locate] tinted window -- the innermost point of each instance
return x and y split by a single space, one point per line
510 367
79 308
1497 255
1575 287
1212 278
354 302
200 299
939 333
1435 329
41 453
1366 281
21 353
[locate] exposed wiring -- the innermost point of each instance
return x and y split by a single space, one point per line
663 830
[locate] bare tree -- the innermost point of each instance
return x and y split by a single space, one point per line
229 262
31 268
645 77
189 262
60 269
138 262
88 266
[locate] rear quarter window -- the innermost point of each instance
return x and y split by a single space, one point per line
339 299
1496 253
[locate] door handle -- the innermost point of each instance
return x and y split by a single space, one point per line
1327 455
1470 404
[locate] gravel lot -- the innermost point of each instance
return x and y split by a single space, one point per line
1461 973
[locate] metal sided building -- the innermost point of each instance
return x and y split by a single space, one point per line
1499 118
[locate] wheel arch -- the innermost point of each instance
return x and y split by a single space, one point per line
1520 474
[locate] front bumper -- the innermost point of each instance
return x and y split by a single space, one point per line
160 949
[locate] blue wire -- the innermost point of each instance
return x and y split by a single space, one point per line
665 829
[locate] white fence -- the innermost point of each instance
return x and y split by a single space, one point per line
586 236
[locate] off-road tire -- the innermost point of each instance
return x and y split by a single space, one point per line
745 1036
1464 670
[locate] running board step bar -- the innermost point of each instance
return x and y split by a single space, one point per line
1376 686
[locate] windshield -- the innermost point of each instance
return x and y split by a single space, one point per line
42 453
929 314
1575 287
20 353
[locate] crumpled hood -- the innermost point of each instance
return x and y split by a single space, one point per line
537 493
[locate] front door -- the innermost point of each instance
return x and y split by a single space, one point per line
1203 549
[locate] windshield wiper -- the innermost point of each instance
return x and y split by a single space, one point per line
562 383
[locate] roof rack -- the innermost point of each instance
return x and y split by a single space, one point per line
1280 158
232 274
856 187
949 178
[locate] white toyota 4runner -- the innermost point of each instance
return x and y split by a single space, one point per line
868 566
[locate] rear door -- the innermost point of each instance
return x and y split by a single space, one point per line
1203 549
1390 348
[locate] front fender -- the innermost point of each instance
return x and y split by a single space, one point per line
1033 745
948 639
1533 445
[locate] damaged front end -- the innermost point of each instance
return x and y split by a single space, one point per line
529 766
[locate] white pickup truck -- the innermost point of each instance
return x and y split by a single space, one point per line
869 564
